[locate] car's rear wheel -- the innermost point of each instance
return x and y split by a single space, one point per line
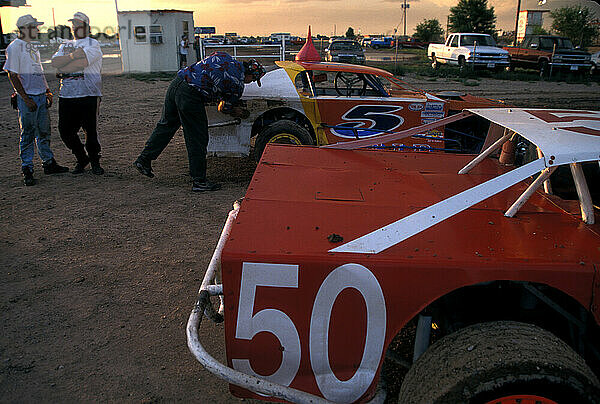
543 67
496 362
283 132
434 62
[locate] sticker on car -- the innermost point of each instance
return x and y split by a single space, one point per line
416 107
365 121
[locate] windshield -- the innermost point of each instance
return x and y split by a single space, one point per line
482 40
353 46
561 43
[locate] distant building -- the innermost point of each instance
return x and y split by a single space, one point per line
280 37
150 39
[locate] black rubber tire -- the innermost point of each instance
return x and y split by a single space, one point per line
489 361
462 63
434 63
511 66
543 67
276 128
375 47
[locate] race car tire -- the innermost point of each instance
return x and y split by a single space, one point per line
284 132
496 361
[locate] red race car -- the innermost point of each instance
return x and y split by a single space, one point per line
336 251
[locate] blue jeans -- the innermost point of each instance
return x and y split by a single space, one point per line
34 125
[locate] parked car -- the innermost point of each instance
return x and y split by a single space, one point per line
338 259
385 42
409 42
545 52
345 51
468 49
318 103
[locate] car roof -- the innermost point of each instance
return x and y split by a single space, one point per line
333 67
564 136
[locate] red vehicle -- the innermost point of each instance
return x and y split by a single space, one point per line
409 42
335 251
545 52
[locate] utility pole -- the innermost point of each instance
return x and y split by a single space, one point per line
404 7
517 21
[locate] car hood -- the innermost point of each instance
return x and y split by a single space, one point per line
275 84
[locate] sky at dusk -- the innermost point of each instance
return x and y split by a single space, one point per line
262 17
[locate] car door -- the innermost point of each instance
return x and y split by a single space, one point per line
354 105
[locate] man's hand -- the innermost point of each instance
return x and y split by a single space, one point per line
239 112
49 99
30 104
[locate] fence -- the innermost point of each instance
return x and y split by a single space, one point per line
235 48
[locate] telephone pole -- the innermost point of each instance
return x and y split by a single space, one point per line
404 6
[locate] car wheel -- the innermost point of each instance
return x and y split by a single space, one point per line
434 62
511 66
500 362
461 62
283 132
375 46
543 67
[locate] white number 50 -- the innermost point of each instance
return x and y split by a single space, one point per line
281 326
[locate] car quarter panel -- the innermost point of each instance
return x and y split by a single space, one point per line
317 319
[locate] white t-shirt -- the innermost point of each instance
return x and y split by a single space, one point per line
24 59
87 83
182 48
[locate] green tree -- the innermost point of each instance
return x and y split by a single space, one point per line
429 30
575 22
350 33
472 16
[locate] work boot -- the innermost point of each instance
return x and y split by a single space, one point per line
198 186
96 169
28 176
143 167
52 167
82 162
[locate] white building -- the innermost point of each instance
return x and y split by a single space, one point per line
150 39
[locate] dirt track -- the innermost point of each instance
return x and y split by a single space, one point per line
99 273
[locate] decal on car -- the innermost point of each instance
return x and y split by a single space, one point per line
380 118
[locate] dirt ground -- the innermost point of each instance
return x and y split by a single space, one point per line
99 273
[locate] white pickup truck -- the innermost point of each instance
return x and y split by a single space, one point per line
468 49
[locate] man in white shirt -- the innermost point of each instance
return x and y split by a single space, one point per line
79 63
24 67
183 51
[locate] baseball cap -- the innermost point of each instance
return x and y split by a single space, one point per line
81 17
255 69
28 20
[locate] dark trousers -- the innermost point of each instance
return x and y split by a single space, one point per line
74 114
183 107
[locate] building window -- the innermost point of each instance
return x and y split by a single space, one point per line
186 27
140 34
156 34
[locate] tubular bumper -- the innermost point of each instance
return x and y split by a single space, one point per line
204 306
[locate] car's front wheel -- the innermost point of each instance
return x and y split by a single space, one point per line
283 132
500 362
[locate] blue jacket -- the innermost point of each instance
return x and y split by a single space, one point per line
217 77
